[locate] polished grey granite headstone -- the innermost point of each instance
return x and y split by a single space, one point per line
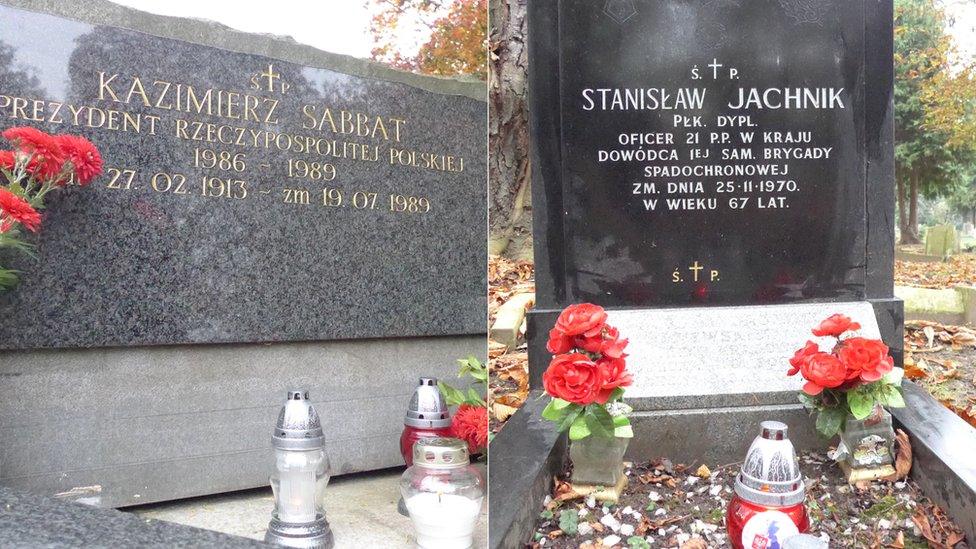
32 521
249 196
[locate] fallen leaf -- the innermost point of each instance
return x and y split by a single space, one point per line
695 543
703 472
925 528
503 411
899 542
929 332
563 491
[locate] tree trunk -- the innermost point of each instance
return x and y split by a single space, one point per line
508 127
902 208
911 235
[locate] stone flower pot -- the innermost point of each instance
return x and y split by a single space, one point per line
598 461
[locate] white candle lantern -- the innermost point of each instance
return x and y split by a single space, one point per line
443 493
300 477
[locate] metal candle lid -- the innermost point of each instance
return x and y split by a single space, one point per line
298 427
440 453
770 475
427 410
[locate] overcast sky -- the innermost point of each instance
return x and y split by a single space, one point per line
339 26
964 28
342 26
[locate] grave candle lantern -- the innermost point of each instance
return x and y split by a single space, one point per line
300 477
767 507
443 493
427 417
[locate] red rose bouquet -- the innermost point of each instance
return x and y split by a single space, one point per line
470 420
38 164
854 377
587 375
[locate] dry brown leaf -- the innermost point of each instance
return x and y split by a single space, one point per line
703 471
899 542
555 534
598 527
922 521
903 461
589 545
695 543
915 371
964 338
563 491
502 411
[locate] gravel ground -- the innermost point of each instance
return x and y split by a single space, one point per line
668 505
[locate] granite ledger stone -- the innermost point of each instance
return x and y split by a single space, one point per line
143 394
246 198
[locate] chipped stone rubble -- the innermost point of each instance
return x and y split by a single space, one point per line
667 506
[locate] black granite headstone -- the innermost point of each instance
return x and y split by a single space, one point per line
712 152
245 199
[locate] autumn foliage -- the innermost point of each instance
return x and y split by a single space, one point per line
457 44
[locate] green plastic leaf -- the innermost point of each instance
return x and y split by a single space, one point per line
559 403
829 421
569 521
625 431
553 412
893 397
579 429
599 420
474 398
451 395
861 404
8 278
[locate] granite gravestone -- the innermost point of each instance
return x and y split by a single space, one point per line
255 191
718 174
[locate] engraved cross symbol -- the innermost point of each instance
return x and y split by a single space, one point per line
271 75
696 268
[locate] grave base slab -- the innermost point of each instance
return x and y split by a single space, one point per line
127 426
527 454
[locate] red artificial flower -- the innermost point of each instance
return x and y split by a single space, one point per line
801 356
558 342
822 371
470 424
15 208
85 160
865 359
47 158
607 343
835 325
574 378
581 319
615 374
7 160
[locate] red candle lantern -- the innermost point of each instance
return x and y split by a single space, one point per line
767 507
427 417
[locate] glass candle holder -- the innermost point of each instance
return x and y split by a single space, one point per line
443 494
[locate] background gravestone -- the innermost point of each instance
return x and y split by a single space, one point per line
719 175
271 217
941 240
